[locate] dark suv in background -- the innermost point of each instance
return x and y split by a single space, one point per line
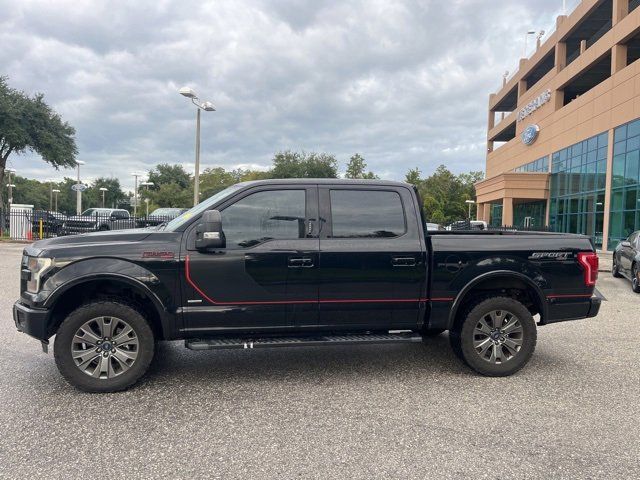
98 219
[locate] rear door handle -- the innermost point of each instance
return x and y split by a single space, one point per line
403 261
300 262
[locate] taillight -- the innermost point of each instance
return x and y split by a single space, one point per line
589 263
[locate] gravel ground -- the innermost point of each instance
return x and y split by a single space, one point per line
404 411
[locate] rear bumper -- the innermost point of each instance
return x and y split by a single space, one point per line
32 321
562 311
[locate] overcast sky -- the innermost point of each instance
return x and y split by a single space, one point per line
404 83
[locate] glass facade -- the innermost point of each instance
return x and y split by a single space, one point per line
496 215
578 180
625 184
529 214
539 165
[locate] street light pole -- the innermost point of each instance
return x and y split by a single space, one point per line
146 200
469 202
135 193
103 190
526 41
56 192
207 107
10 185
79 192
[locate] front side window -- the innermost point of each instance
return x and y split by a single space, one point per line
366 214
264 216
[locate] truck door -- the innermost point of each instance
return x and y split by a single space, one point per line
372 260
266 277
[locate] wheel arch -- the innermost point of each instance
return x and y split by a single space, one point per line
114 286
504 281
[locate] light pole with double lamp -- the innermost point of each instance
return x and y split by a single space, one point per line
207 107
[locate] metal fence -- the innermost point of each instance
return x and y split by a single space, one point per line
466 225
41 224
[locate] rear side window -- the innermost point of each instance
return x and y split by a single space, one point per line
366 214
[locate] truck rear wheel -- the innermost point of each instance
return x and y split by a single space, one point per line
496 338
104 346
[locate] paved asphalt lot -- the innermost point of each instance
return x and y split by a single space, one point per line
405 411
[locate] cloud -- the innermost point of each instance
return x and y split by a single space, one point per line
404 83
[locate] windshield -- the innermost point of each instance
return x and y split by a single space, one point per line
90 212
201 207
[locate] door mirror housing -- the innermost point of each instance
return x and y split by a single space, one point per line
625 244
209 232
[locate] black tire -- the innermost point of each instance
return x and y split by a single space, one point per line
615 268
103 228
64 342
432 332
635 280
465 333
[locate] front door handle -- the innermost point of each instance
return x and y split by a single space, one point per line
300 262
403 261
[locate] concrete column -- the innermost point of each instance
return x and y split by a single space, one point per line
561 56
491 121
620 10
522 88
618 58
557 99
486 212
479 211
583 46
607 193
507 211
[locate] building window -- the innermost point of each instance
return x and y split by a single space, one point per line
625 184
578 180
539 165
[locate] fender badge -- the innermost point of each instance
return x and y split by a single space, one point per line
161 255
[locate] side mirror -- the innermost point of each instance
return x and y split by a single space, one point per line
625 244
209 232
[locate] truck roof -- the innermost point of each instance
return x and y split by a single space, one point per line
327 181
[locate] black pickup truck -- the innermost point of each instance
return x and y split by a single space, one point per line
297 263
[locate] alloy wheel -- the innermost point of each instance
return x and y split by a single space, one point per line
105 347
498 336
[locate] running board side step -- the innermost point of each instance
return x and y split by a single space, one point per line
303 341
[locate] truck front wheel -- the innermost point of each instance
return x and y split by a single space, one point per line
496 337
105 346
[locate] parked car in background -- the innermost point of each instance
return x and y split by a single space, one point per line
468 225
159 216
433 227
51 222
98 219
626 260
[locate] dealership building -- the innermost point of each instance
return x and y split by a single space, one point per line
563 145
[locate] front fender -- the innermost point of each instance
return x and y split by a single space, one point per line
104 268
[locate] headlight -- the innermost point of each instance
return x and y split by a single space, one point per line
37 267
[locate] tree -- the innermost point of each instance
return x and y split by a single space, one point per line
170 195
29 124
444 194
165 173
356 168
113 197
290 164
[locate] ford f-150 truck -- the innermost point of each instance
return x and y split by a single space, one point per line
280 263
